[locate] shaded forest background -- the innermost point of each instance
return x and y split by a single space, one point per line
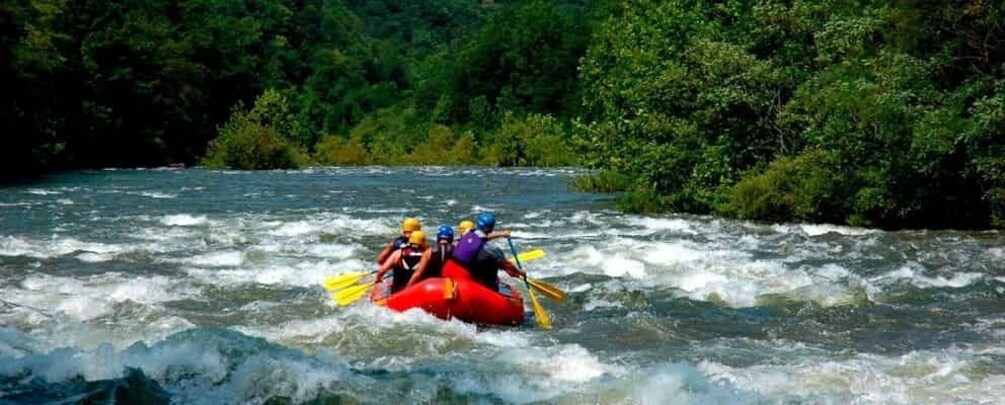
872 113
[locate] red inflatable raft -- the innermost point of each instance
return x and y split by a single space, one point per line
463 299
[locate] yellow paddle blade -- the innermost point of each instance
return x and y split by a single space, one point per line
351 294
543 320
529 255
343 280
554 293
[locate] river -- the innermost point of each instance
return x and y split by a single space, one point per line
197 286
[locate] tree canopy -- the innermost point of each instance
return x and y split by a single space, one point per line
867 112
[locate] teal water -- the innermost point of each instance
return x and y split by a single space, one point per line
195 286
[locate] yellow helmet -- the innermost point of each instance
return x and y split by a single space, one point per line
417 238
411 225
466 226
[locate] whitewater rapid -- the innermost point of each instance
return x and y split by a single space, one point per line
207 285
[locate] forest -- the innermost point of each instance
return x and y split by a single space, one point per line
868 113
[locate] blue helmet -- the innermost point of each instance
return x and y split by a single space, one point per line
445 232
485 222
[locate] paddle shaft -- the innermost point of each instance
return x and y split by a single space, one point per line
512 248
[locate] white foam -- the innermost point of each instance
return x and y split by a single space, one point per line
157 194
478 209
619 267
332 251
20 204
534 374
295 229
665 254
91 257
530 235
994 326
349 225
672 383
938 377
216 259
161 236
823 229
14 246
193 371
588 217
593 304
92 297
184 220
535 214
57 246
662 224
301 274
570 363
37 191
704 272
913 273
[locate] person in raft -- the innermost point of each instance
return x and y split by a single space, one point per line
407 227
466 226
433 259
474 258
404 261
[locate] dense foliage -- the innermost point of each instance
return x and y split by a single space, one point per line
141 83
864 112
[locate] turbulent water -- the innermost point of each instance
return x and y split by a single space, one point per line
193 286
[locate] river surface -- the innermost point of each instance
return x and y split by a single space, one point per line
194 286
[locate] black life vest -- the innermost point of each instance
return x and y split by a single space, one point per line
411 255
440 254
486 273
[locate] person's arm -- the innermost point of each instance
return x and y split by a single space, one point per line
498 235
511 269
419 271
500 259
384 254
388 265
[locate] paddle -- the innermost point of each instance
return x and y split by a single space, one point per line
554 293
346 280
529 255
542 317
352 293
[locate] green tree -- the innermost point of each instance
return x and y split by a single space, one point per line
259 138
537 140
524 59
738 106
336 150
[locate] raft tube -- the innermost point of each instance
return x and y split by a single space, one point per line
464 299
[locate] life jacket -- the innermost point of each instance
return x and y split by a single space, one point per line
467 248
486 273
405 267
466 257
438 257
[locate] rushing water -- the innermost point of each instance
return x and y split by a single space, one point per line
195 286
